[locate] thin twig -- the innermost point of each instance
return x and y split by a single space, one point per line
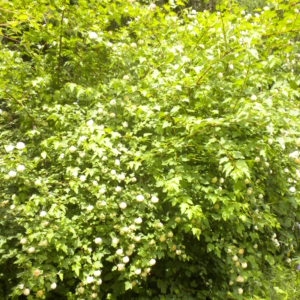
226 53
60 43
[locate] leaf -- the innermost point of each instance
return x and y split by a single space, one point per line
128 285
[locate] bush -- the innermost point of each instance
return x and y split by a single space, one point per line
155 161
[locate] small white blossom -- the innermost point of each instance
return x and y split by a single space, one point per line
20 168
152 262
98 241
244 265
125 124
31 250
12 173
235 258
12 207
72 149
99 282
220 75
137 238
82 178
162 238
292 189
26 292
9 148
113 102
121 177
133 179
122 205
94 295
125 77
23 241
139 198
90 208
93 35
125 259
154 199
90 123
95 183
97 273
102 191
240 291
89 279
119 252
170 234
159 225
133 45
117 162
138 220
43 214
257 159
120 267
138 271
53 286
118 189
20 146
115 241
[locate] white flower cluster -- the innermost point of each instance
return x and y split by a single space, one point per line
275 241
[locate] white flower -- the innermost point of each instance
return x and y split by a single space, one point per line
119 252
95 183
220 75
120 267
244 265
260 196
121 177
102 191
231 66
113 102
266 8
20 168
240 291
253 98
178 252
12 173
152 6
82 178
117 162
118 189
154 199
292 189
122 205
20 146
90 208
249 191
137 238
288 260
53 286
125 259
21 286
133 45
255 246
235 258
90 123
26 292
72 149
294 154
97 273
75 173
89 279
256 227
125 124
125 77
139 198
222 180
138 220
43 214
81 290
243 12
133 179
12 207
9 148
100 111
132 227
286 170
31 250
112 115
115 241
99 282
94 295
152 262
98 240
23 241
137 271
270 141
257 159
93 35
141 42
228 250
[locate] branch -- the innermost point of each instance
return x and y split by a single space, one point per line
60 43
226 53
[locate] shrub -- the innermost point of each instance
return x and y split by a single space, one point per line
155 161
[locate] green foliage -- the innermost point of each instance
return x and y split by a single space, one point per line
158 160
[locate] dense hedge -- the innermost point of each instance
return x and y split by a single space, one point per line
158 160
